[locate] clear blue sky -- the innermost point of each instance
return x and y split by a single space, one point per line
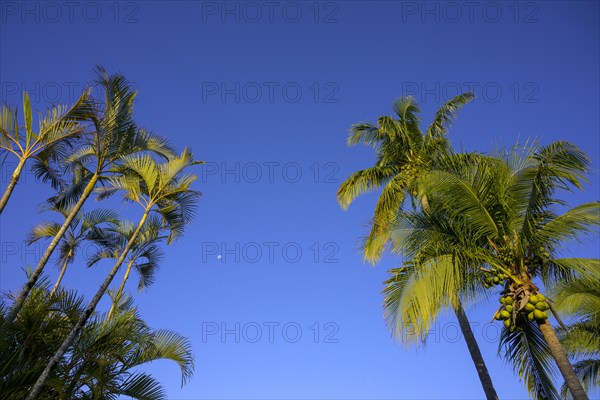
265 93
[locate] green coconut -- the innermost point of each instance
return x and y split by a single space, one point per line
529 307
509 300
505 314
509 308
539 315
533 299
530 316
507 323
542 305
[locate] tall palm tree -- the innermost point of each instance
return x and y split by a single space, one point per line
162 188
82 229
57 129
104 363
114 136
580 298
404 155
496 217
144 256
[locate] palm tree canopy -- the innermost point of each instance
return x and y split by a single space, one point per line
113 135
60 123
106 362
403 153
491 213
81 229
145 254
165 186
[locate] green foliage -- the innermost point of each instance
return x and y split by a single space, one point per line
165 186
403 155
580 298
493 213
82 229
531 360
95 142
104 363
144 256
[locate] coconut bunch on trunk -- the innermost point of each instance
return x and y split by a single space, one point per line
522 303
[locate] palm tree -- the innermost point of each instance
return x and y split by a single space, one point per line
496 219
163 188
57 129
144 256
104 363
404 155
115 135
580 298
83 226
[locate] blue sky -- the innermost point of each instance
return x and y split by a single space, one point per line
265 93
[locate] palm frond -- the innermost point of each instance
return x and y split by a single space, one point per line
447 114
364 181
142 386
169 345
531 359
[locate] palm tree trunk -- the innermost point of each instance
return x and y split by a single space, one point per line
564 365
20 300
482 371
86 314
11 185
60 276
120 292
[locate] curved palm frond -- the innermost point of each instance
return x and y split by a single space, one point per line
362 182
446 115
532 362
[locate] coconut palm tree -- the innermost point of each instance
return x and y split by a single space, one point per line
114 135
83 226
57 129
404 155
495 219
104 363
144 256
158 188
580 298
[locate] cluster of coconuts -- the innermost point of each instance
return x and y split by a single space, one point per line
506 310
533 307
537 307
494 277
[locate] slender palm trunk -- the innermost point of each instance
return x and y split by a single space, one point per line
11 185
20 300
482 371
86 314
564 365
60 276
120 292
